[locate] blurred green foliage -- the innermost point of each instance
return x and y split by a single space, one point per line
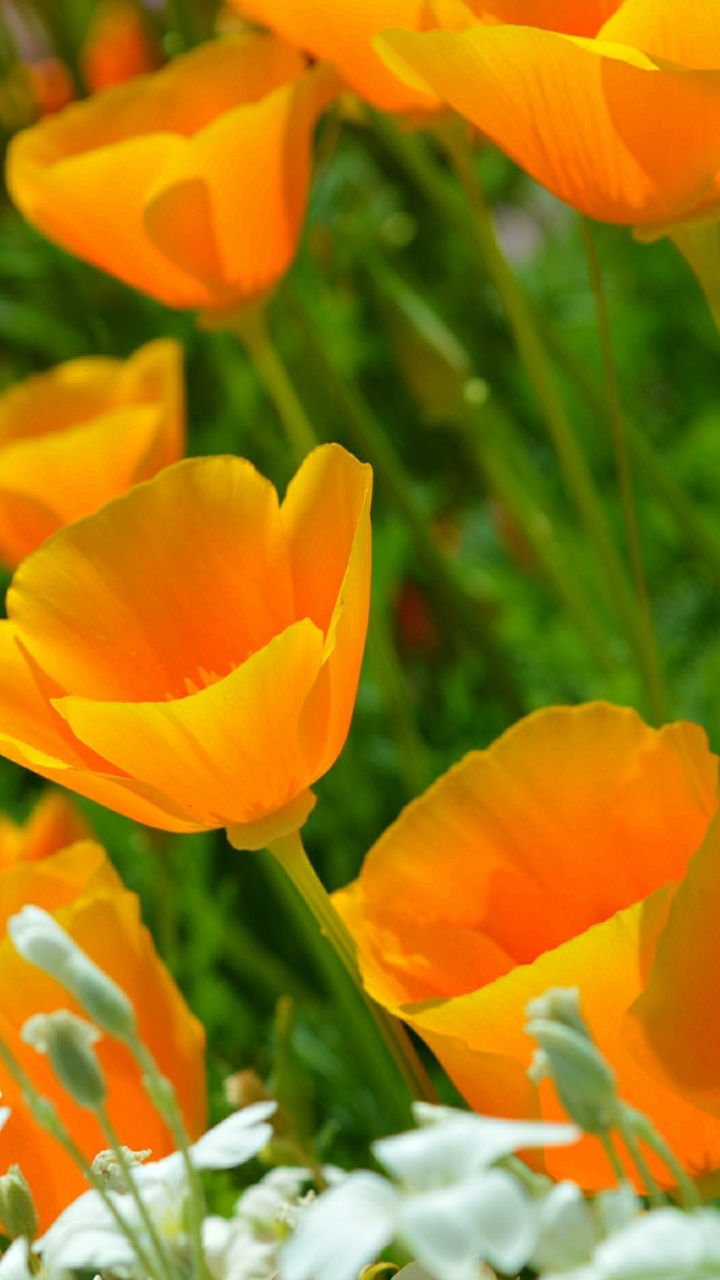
407 316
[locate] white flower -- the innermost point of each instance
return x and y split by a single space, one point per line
246 1246
453 1210
87 1237
4 1116
664 1244
570 1226
15 1262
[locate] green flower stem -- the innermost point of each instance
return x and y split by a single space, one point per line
612 1155
164 1261
655 1195
289 852
250 326
412 755
645 1129
618 432
162 1093
45 1114
470 615
577 474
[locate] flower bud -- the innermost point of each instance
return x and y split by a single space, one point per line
67 1040
17 1207
559 1004
40 940
584 1081
109 1170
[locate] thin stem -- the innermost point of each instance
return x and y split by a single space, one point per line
618 432
289 852
251 327
531 350
646 1130
612 1155
108 1129
412 756
45 1114
655 1195
163 1095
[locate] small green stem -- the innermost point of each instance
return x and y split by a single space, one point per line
163 1095
646 1130
289 852
655 1195
164 1262
612 1155
251 327
45 1114
616 421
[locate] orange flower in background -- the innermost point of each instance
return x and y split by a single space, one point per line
80 887
341 32
554 859
84 432
614 108
190 654
53 824
117 46
189 184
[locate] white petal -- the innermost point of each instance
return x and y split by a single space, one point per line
567 1234
235 1139
664 1242
615 1209
4 1116
15 1262
86 1237
455 1148
342 1231
488 1218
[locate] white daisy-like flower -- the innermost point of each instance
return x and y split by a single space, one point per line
663 1244
450 1205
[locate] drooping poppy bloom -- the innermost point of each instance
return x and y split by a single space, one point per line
189 655
82 433
614 107
53 824
117 45
554 859
341 32
189 183
80 888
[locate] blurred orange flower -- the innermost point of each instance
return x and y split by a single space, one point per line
53 824
117 46
554 859
84 432
79 886
190 654
613 107
190 183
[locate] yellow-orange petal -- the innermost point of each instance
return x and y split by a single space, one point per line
673 1024
572 815
573 17
53 824
326 517
479 1039
34 735
240 235
228 754
687 35
596 122
214 586
341 32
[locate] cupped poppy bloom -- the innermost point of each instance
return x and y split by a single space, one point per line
189 183
53 824
553 859
189 655
82 433
614 108
342 32
80 888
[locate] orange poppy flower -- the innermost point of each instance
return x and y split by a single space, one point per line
84 432
189 655
190 183
554 859
53 824
341 32
620 118
80 888
117 46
